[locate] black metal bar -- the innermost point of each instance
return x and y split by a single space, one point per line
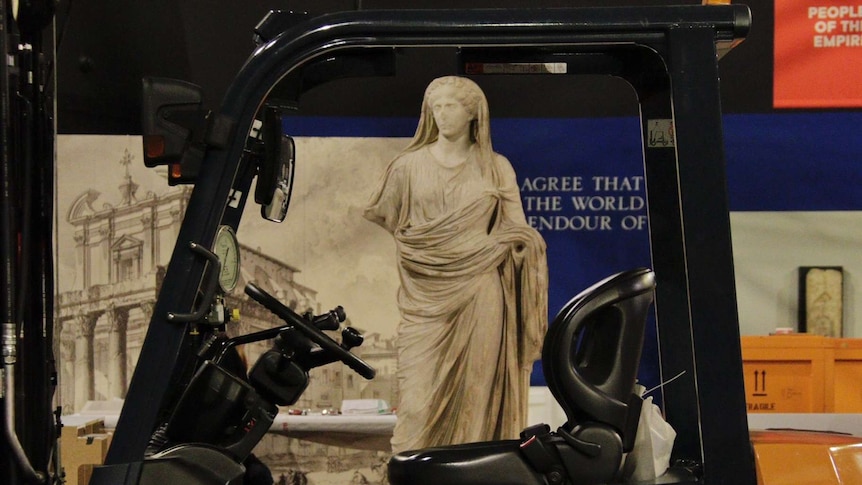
714 323
668 259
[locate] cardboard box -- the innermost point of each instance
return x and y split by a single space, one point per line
83 446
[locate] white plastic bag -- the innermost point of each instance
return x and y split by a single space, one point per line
650 456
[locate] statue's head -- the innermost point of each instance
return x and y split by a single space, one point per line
470 95
467 92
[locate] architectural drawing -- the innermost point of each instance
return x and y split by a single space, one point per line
122 238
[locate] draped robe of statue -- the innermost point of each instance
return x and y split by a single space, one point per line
473 298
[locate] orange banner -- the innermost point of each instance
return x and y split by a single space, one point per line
818 54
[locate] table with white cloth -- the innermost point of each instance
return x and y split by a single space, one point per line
367 432
362 431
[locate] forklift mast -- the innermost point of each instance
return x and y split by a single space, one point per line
27 135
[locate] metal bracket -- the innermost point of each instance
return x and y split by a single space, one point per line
211 285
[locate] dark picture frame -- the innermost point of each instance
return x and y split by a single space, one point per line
821 300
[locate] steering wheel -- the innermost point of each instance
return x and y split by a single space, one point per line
313 333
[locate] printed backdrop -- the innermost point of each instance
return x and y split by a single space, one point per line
582 188
793 185
818 54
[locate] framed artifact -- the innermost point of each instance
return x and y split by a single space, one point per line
821 300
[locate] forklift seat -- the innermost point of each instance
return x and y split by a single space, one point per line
590 360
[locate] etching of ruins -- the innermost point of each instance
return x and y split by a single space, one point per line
116 233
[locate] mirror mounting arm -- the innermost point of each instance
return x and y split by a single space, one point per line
220 130
209 292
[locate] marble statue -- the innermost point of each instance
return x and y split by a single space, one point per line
473 273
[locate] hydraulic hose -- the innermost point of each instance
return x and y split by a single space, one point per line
10 342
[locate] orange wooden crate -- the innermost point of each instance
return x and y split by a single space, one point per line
846 395
786 373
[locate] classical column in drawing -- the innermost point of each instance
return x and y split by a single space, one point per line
84 323
117 321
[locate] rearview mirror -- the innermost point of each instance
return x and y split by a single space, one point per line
275 175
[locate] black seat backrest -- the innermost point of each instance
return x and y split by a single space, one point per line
590 359
592 351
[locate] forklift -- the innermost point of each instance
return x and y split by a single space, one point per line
188 419
669 55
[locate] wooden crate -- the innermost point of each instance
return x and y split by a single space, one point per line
846 393
82 447
786 373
